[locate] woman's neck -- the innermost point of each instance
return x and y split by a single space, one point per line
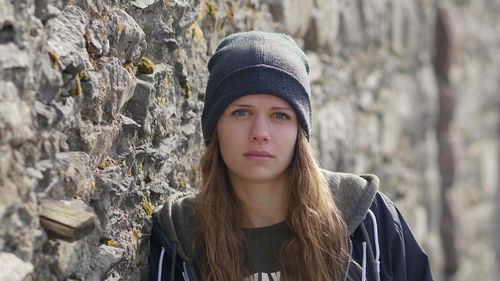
262 203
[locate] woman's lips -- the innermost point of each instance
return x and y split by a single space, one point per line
258 155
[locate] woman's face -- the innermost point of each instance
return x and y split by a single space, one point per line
257 136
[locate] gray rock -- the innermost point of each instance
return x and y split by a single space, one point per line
45 9
323 26
143 4
75 173
65 177
375 26
71 259
14 269
296 16
66 39
100 140
7 18
17 58
350 33
121 87
126 38
16 125
140 105
49 80
335 136
98 41
115 196
184 14
105 258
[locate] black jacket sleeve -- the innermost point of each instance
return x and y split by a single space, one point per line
401 257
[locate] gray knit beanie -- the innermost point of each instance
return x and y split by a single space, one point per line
257 62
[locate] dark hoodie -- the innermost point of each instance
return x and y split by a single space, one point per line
380 238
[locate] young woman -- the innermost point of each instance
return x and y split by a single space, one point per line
265 210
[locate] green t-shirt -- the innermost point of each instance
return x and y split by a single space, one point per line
262 252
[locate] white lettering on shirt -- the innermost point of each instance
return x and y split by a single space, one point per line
262 276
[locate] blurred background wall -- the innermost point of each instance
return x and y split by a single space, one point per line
100 103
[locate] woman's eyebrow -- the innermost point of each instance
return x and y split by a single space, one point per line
281 108
241 105
252 106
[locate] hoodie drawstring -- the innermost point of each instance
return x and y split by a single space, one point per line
174 259
377 248
363 274
160 265
369 250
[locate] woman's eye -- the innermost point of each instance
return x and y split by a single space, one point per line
280 115
240 112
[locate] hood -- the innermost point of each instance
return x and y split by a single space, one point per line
352 194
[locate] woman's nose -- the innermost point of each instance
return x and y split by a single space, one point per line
259 130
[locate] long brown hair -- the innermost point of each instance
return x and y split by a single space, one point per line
315 248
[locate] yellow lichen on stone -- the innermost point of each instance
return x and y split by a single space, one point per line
194 169
147 208
106 163
128 68
109 242
169 81
133 240
187 88
78 90
55 59
146 66
197 33
92 187
123 53
211 8
120 26
182 184
136 233
141 170
162 101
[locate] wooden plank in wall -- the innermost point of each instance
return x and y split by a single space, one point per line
66 221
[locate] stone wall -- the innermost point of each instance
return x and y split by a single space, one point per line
100 103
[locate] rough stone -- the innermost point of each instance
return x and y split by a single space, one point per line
16 58
105 258
143 4
45 10
72 259
14 269
50 80
334 129
121 87
15 120
350 34
66 39
126 38
100 140
98 41
78 120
